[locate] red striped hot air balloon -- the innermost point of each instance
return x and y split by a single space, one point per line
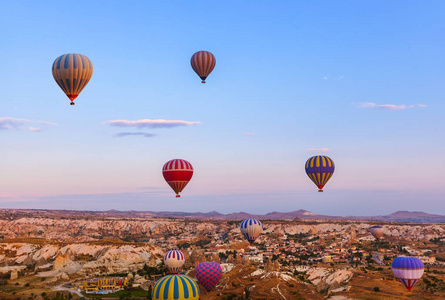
177 173
203 63
174 259
72 72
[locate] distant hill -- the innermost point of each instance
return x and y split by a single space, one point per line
399 216
408 216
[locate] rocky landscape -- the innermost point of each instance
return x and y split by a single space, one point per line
155 230
399 216
47 250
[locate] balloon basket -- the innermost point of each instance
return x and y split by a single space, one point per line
203 81
72 103
177 196
320 191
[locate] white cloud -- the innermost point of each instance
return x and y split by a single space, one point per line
387 106
122 134
34 129
393 106
366 105
319 149
147 123
11 123
249 133
8 123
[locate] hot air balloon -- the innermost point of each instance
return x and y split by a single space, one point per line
251 229
72 72
203 63
208 274
177 287
408 270
320 169
377 232
177 173
174 259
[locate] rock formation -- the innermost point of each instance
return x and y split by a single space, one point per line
14 275
61 261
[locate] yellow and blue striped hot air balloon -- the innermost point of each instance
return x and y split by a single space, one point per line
175 287
72 72
320 169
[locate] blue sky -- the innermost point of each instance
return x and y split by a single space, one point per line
362 79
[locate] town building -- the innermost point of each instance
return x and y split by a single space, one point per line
105 284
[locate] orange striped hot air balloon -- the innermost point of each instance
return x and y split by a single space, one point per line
72 72
177 173
203 63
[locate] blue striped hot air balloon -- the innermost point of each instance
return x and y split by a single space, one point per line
72 72
320 169
251 229
175 287
408 270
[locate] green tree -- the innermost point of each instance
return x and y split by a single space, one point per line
149 293
246 293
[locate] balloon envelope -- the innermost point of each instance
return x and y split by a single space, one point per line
320 169
174 259
203 63
72 72
408 270
208 274
377 231
251 229
177 173
178 287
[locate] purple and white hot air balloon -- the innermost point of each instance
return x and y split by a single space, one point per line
208 274
408 270
174 259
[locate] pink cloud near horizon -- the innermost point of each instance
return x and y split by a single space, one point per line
148 123
319 149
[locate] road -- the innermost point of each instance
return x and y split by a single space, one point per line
377 260
62 288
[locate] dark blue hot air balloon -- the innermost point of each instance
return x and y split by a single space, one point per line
320 169
408 270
